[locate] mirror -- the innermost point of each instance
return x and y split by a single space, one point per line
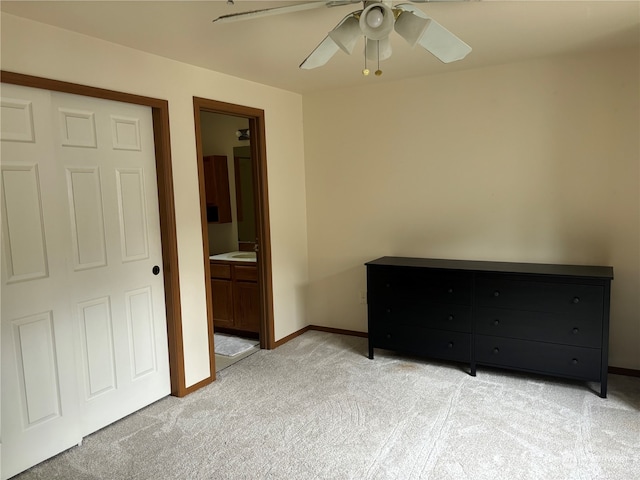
246 216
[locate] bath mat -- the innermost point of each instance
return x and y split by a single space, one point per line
230 346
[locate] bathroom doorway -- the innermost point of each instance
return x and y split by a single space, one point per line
235 228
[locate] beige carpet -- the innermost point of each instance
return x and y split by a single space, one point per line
318 408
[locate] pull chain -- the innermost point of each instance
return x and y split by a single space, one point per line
365 72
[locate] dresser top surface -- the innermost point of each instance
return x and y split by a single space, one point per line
590 271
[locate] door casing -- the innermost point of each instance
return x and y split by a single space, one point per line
259 153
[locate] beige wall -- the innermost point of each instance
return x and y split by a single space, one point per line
534 162
530 162
37 49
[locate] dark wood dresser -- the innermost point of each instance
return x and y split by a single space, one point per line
546 319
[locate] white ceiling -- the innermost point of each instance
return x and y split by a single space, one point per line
268 50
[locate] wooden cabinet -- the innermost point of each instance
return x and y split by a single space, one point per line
216 181
246 306
235 296
222 294
547 319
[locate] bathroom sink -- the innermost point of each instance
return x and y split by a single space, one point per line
244 255
237 256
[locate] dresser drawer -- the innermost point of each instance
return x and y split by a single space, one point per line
411 284
517 292
422 341
539 326
541 357
440 316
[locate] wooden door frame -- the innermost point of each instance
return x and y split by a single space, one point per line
256 120
164 179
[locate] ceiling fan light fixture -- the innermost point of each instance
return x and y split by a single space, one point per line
384 26
411 27
346 34
375 17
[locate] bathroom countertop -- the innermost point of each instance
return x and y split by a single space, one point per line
237 256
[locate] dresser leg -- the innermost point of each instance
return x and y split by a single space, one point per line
473 370
370 352
603 389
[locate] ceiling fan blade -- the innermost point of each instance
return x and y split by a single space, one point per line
236 17
321 55
443 44
343 36
340 3
439 41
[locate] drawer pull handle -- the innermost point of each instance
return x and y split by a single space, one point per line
389 336
496 322
450 290
574 361
388 310
496 293
575 330
450 317
450 345
387 285
496 350
576 299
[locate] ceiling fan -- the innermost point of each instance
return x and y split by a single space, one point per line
375 21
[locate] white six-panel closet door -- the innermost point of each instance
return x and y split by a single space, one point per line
83 317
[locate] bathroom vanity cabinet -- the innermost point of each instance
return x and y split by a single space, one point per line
235 295
546 319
